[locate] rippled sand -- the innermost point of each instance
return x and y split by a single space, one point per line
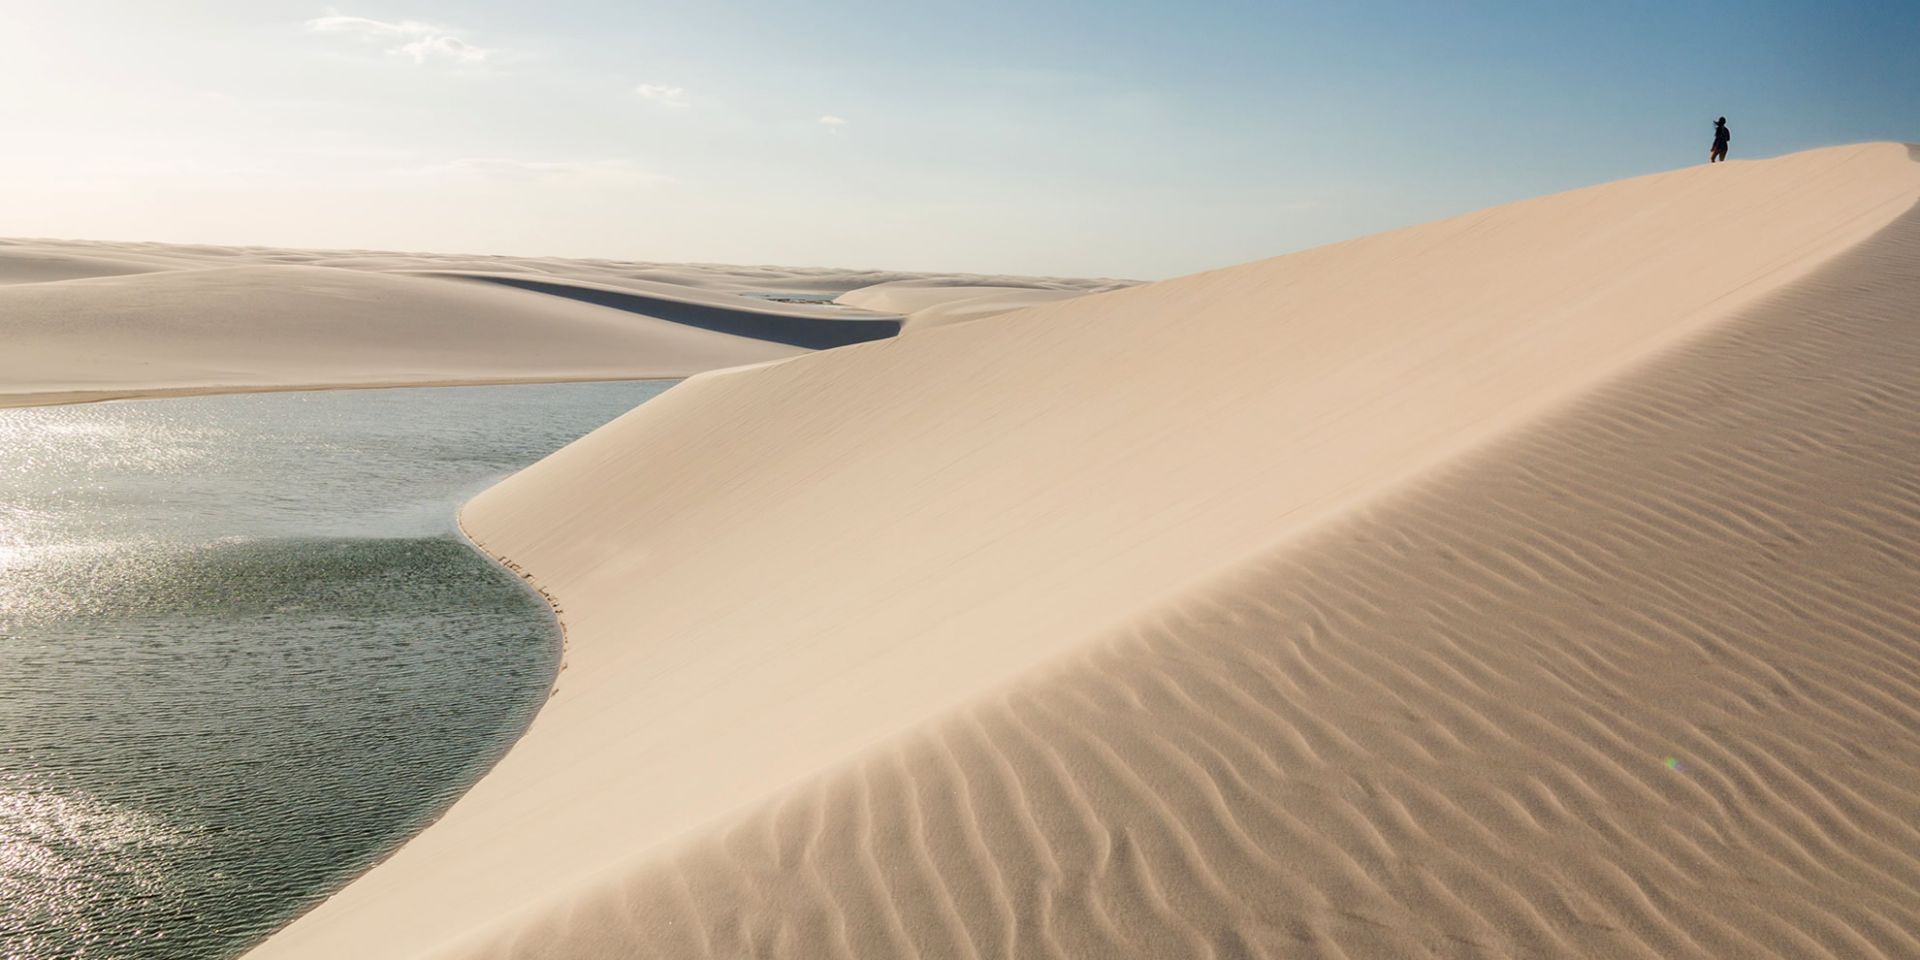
1641 682
1537 582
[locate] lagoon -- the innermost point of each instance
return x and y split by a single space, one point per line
244 651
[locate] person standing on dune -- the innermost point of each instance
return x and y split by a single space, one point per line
1720 138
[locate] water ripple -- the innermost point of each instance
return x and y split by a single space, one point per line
243 654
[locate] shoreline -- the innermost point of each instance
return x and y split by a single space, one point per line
61 398
522 581
531 584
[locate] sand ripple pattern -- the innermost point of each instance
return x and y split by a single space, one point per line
1641 680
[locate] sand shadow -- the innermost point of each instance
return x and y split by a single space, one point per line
813 333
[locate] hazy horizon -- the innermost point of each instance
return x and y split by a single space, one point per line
1126 140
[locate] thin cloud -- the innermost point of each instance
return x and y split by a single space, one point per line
666 96
494 170
832 123
417 40
366 26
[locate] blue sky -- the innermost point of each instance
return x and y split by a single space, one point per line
1120 138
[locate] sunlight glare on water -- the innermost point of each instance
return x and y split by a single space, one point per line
243 652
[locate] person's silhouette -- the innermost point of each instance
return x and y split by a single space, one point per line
1720 138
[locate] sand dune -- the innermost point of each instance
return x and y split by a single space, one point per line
91 320
689 289
1642 680
279 327
926 304
963 310
28 265
1343 604
814 328
713 277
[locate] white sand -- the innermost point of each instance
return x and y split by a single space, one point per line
938 303
30 265
91 321
279 327
1342 604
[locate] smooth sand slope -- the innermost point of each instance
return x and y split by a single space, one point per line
280 327
932 303
90 321
1439 726
1344 604
38 266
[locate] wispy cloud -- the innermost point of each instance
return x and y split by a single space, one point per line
417 40
336 23
483 170
832 123
666 96
442 46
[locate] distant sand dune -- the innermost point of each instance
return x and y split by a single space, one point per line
1346 604
981 307
95 320
813 330
35 266
278 327
934 304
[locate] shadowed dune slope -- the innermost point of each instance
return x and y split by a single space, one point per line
812 330
1253 478
1642 680
689 288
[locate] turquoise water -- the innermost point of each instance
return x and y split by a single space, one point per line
243 652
